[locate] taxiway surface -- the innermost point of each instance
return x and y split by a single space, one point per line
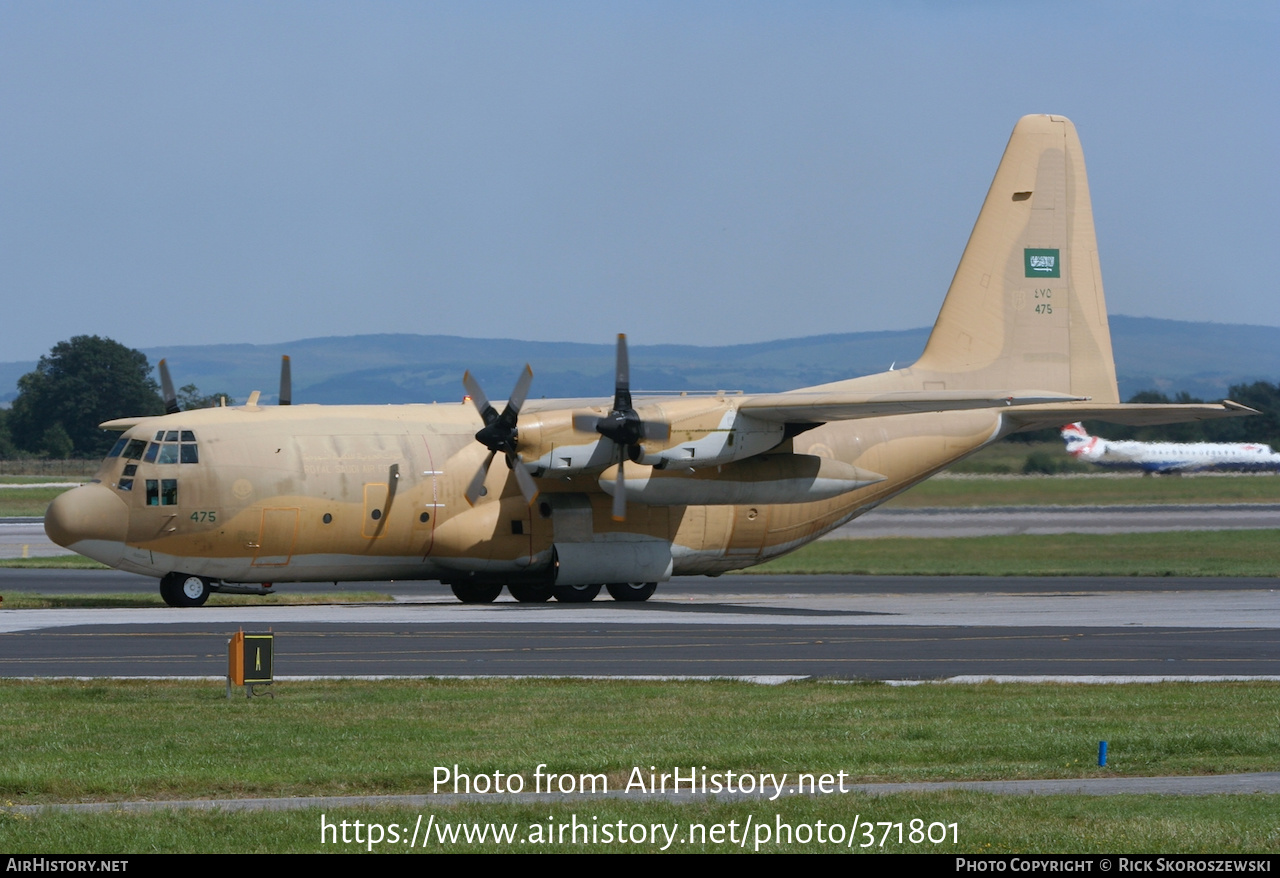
900 628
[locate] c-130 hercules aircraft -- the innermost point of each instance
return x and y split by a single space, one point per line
623 494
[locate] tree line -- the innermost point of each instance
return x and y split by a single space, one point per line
79 384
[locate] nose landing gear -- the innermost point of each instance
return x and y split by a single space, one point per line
184 589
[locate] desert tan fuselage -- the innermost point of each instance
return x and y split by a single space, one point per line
305 493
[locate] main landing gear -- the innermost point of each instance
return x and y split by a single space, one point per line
475 592
185 590
631 591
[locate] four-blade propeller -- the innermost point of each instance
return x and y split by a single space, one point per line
623 427
499 434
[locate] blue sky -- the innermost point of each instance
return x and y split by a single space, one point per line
709 173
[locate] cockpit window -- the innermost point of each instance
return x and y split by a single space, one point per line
162 492
118 447
189 454
133 450
168 454
150 456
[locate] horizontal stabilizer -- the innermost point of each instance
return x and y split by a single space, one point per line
1132 414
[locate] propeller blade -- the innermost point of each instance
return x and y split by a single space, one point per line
476 489
500 433
528 487
519 393
286 382
622 379
166 384
488 413
620 495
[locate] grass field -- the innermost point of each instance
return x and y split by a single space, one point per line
26 501
1096 489
1176 553
115 741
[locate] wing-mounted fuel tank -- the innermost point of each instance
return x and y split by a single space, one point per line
766 479
698 432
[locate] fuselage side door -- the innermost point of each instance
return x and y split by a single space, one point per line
277 536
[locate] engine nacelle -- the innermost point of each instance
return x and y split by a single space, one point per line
770 478
705 431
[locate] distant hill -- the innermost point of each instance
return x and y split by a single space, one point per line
1203 359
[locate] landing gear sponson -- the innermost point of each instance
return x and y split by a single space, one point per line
532 593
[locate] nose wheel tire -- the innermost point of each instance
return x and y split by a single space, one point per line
475 593
631 591
185 590
575 594
526 593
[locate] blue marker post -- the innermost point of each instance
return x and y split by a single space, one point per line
1102 753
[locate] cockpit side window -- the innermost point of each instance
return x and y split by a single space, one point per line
118 447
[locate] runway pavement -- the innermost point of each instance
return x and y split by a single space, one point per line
884 628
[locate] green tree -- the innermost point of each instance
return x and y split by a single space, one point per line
189 397
56 443
78 385
7 449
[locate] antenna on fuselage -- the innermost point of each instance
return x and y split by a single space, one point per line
166 385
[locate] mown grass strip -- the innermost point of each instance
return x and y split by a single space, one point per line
26 502
1089 490
126 740
1175 553
54 562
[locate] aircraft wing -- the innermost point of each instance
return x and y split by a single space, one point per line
819 407
1133 414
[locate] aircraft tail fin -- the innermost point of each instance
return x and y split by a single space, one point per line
1076 438
1026 307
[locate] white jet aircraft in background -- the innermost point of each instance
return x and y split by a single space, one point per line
1169 457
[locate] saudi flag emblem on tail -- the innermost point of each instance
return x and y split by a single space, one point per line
1041 263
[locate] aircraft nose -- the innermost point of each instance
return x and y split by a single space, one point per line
88 515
